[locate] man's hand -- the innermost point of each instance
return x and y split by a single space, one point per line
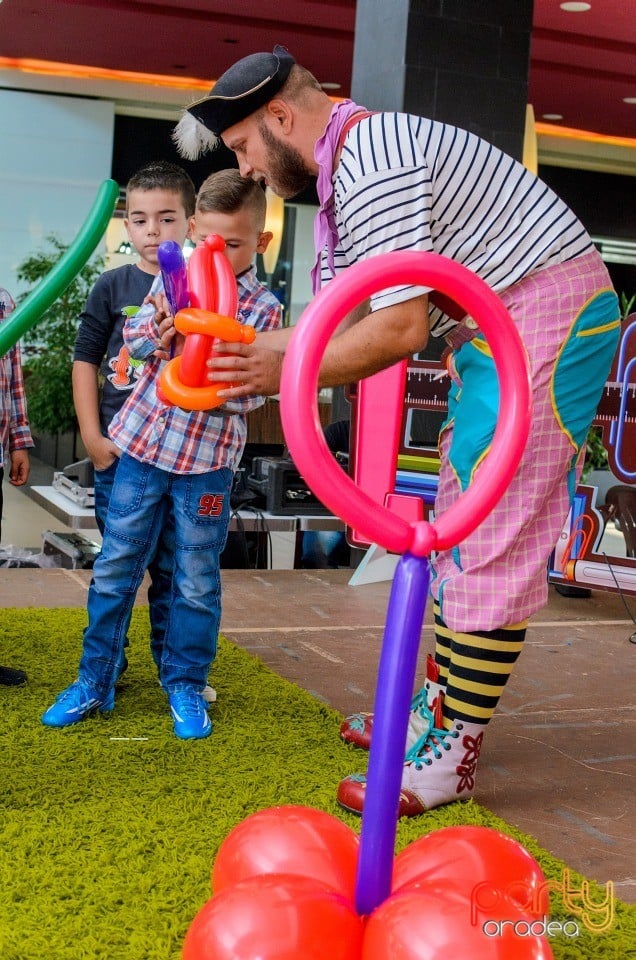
249 369
20 467
358 349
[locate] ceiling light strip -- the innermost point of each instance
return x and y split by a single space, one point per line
80 72
571 133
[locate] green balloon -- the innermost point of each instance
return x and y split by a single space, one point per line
65 270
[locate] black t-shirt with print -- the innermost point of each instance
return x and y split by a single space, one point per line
117 294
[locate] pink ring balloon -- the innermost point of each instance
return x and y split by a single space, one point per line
299 403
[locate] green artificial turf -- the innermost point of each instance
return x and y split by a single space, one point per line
106 844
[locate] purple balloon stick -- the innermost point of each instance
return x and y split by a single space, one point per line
394 690
175 277
174 274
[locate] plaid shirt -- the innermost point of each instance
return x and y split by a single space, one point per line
182 441
14 426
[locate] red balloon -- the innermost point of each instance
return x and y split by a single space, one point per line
290 839
488 866
275 917
433 922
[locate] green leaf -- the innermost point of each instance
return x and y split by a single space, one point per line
47 347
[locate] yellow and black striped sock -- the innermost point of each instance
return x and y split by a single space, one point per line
443 637
480 664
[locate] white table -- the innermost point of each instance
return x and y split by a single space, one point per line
63 509
83 518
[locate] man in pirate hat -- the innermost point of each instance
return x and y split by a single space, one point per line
393 181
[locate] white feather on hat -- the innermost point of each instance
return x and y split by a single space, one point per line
192 139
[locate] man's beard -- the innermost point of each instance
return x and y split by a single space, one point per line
287 173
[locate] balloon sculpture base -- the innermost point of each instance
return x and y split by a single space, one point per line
284 887
293 882
284 878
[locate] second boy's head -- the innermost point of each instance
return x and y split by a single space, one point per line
160 200
234 209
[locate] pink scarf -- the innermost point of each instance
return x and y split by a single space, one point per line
325 232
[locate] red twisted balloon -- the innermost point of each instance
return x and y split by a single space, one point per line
214 303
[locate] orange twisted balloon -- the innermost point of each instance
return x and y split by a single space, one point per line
214 299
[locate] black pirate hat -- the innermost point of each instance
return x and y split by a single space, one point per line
243 88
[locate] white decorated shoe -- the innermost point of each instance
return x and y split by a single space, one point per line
357 729
439 768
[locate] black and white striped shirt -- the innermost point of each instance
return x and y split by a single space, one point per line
408 183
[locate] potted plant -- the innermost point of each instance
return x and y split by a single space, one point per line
595 456
47 355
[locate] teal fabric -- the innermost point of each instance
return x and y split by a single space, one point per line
579 375
475 418
577 385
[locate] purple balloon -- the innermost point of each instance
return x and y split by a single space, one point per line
174 274
394 690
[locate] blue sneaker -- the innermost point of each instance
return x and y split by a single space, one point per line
75 703
188 709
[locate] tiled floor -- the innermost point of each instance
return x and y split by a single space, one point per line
559 757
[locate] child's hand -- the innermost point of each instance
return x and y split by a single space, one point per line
165 329
169 334
101 450
20 467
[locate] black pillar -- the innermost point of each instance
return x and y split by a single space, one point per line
464 62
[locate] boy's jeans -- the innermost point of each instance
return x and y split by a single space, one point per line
142 499
159 565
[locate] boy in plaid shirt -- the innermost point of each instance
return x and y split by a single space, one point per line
15 438
179 463
160 202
